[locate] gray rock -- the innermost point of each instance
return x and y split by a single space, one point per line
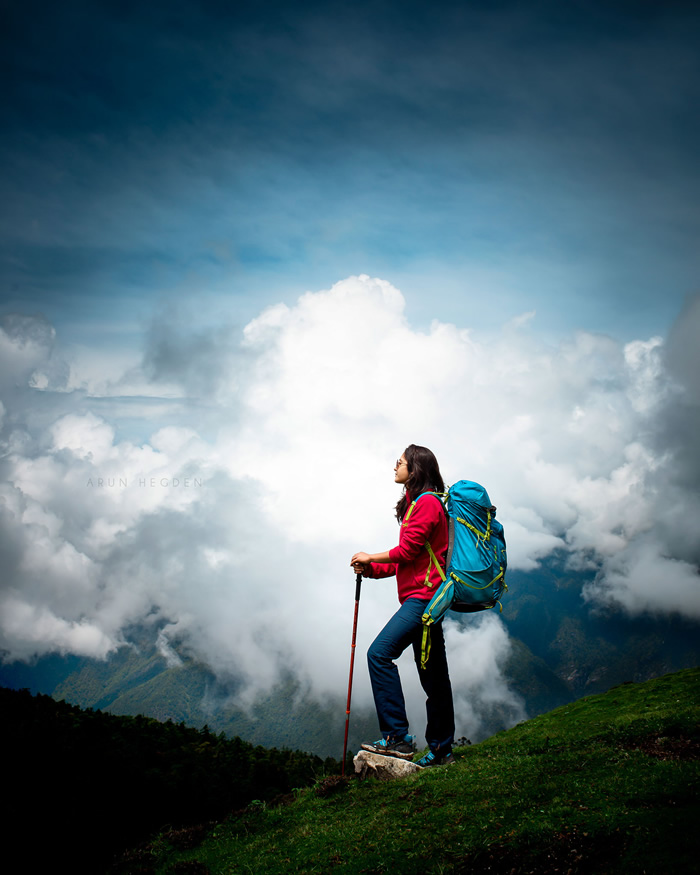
383 768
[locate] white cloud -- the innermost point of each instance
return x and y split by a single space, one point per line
235 525
640 578
476 656
28 627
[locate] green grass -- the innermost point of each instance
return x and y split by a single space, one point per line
605 784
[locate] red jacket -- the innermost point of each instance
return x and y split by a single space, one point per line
410 559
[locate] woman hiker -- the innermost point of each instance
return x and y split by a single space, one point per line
417 579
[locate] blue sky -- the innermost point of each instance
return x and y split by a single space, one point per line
488 159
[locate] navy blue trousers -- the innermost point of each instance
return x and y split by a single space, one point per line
404 629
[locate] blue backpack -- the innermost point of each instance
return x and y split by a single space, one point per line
475 567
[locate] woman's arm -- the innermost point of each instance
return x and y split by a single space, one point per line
366 558
427 514
373 564
414 533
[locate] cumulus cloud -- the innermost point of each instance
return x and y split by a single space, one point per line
477 656
640 578
233 541
657 571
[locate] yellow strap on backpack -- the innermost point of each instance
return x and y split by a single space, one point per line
433 561
425 647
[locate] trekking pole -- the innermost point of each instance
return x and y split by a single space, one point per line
358 581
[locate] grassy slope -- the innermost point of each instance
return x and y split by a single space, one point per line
605 784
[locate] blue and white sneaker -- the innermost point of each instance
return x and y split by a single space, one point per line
392 747
430 760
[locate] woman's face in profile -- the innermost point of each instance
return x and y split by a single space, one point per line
401 470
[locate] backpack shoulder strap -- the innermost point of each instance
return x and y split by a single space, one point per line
437 495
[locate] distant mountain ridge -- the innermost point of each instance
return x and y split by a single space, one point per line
561 650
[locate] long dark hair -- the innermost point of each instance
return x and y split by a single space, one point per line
423 476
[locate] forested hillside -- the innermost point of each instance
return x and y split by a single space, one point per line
85 784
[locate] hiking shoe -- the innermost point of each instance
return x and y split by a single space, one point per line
430 760
391 748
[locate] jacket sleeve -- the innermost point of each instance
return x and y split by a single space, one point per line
376 570
420 526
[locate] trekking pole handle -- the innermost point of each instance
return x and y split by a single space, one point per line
358 581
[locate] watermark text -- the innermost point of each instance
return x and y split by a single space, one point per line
144 482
